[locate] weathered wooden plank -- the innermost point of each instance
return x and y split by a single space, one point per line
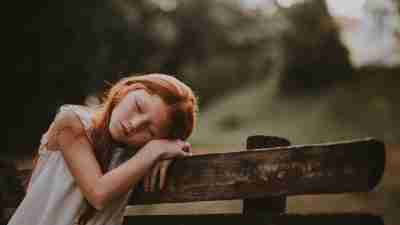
239 219
350 166
276 204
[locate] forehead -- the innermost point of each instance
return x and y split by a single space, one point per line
131 95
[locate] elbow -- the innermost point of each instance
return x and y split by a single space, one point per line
98 200
98 205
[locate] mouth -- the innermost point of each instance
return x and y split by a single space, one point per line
124 129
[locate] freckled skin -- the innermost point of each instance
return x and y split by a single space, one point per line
139 118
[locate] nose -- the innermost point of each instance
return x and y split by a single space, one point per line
136 123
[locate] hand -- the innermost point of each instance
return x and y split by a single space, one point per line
159 171
168 149
174 148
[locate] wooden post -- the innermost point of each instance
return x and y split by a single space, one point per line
267 204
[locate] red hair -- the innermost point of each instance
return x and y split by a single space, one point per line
179 97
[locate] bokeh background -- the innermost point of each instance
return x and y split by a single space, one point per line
312 71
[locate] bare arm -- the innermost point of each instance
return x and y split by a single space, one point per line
68 134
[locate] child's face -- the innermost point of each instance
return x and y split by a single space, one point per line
139 118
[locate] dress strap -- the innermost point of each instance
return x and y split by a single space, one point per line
118 154
83 113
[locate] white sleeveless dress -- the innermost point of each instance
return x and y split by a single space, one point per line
54 198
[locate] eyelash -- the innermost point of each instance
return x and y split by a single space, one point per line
138 106
140 110
151 133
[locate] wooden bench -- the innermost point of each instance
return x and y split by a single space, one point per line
263 175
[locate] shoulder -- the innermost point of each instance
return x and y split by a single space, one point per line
68 118
66 128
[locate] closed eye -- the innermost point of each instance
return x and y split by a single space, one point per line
151 133
138 106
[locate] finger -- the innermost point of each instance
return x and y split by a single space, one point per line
147 179
153 178
182 154
146 183
187 147
190 148
163 172
143 183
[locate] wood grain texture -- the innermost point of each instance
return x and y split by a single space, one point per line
350 166
276 204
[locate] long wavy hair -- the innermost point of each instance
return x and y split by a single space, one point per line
182 111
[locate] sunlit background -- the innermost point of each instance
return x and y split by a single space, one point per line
312 71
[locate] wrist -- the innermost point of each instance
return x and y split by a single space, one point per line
153 152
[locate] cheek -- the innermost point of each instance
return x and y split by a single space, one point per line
117 116
114 131
113 117
112 123
114 126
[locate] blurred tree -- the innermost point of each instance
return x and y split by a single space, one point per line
60 52
47 49
315 57
11 190
216 46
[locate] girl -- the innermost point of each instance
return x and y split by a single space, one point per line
79 176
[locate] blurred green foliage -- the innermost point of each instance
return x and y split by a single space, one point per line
71 50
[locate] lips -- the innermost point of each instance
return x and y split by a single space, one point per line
124 129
